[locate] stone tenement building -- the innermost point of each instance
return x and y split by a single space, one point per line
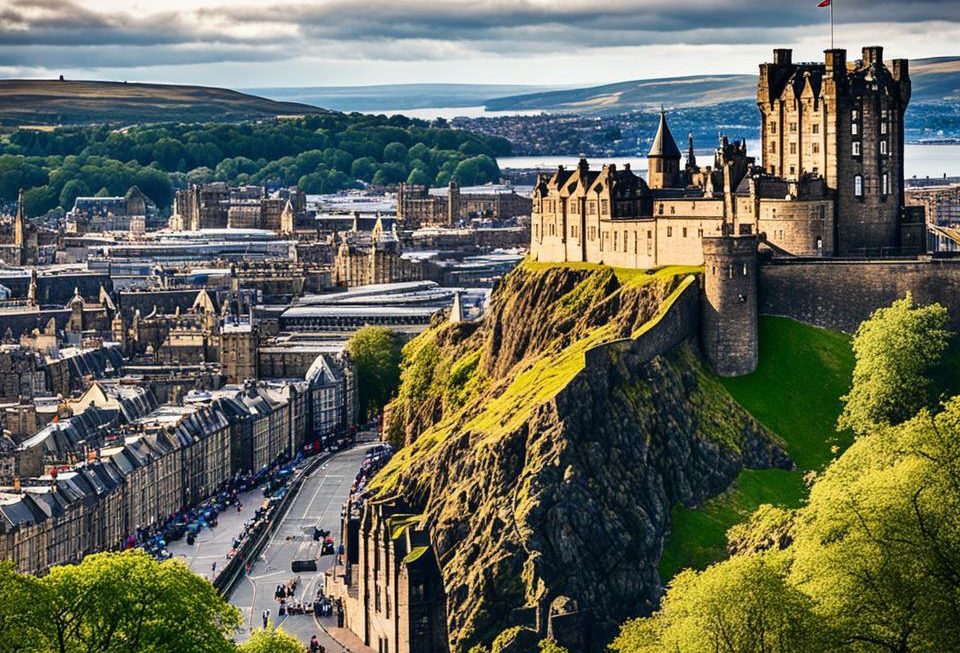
217 206
96 214
417 205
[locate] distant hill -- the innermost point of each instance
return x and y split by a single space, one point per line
395 97
50 102
933 80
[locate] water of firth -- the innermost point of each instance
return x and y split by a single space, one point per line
919 161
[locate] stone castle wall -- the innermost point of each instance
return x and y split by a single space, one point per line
840 294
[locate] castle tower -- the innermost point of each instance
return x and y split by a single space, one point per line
729 306
453 201
843 121
663 169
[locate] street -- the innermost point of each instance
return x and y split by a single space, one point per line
318 502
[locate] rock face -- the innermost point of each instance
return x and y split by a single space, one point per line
547 481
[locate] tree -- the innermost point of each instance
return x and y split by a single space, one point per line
18 623
271 641
418 177
395 152
376 353
550 646
71 191
743 605
129 602
896 350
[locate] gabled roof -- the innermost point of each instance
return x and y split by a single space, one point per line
663 143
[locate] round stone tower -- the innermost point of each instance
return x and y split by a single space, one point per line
729 310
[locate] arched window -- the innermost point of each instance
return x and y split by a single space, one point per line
858 185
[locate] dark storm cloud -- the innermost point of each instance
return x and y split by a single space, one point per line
78 35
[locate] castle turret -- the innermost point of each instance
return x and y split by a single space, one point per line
729 312
664 159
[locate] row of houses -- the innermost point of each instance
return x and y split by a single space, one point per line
122 463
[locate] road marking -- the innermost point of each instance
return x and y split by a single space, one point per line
314 497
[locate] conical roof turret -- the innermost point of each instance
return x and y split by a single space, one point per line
663 143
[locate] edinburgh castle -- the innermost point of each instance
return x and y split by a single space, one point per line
829 191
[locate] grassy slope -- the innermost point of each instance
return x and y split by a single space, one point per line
796 393
50 102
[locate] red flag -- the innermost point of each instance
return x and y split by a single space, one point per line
824 3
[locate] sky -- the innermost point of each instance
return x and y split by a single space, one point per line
261 43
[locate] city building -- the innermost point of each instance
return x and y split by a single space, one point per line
418 205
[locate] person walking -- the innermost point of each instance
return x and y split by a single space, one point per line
266 618
314 645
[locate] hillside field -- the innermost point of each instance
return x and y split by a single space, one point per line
796 393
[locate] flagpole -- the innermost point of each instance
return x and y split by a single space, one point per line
831 23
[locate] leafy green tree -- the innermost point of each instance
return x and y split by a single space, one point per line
878 547
896 350
271 641
743 605
113 602
395 152
71 191
363 168
19 628
418 176
376 353
39 200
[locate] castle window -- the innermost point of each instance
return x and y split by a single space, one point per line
773 127
858 186
883 127
684 232
604 207
615 234
854 129
883 147
884 113
793 170
636 243
793 148
773 147
660 208
815 128
793 128
886 183
856 148
592 207
855 115
730 271
744 269
624 240
699 233
816 147
669 232
673 210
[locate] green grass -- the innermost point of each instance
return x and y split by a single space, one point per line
796 389
626 276
698 537
795 392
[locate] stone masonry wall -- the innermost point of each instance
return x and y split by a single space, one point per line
840 294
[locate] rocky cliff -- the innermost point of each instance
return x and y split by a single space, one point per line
547 482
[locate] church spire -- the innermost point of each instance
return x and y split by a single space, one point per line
18 225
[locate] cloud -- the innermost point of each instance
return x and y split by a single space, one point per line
98 35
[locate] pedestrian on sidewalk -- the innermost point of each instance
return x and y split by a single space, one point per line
314 645
266 618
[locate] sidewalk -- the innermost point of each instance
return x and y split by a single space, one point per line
213 544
